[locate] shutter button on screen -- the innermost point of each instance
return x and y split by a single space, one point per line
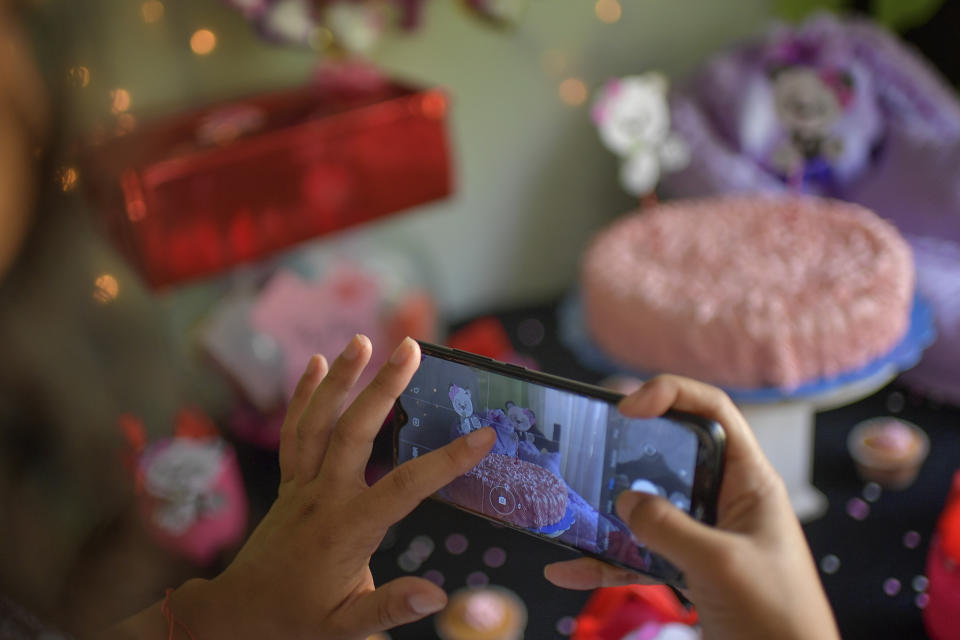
502 500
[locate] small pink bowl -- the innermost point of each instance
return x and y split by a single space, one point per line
888 451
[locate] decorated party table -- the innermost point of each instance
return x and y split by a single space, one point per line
870 545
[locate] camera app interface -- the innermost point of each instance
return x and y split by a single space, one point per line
560 459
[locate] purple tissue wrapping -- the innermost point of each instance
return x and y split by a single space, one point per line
899 134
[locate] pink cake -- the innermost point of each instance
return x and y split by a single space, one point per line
748 291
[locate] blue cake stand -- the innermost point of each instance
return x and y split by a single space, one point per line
782 419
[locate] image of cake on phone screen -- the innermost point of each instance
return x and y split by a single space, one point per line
560 458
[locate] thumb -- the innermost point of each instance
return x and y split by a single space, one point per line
397 602
666 530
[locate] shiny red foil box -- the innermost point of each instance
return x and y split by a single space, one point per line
197 193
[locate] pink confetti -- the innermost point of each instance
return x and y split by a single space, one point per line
566 625
408 562
830 564
456 543
421 547
435 577
922 600
891 586
494 557
911 539
857 509
872 491
478 579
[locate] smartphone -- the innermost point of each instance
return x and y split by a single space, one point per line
563 454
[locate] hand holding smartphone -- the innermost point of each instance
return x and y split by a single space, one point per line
562 456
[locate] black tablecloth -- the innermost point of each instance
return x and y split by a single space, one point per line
871 565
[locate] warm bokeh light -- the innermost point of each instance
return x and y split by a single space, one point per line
68 178
105 288
152 11
554 61
203 42
79 76
119 100
573 91
607 11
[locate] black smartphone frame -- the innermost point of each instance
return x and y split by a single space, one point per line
711 440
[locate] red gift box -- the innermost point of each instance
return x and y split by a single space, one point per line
199 192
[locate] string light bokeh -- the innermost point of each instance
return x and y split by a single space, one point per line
79 77
67 178
573 91
105 288
119 101
203 42
555 62
608 11
152 11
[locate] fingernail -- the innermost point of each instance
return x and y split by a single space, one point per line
426 603
313 365
402 353
480 438
353 348
628 398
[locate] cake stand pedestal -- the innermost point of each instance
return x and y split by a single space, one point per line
785 432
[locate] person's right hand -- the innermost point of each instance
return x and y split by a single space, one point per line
305 571
751 576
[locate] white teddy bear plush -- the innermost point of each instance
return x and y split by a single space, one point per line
633 118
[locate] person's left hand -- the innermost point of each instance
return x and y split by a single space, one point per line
305 571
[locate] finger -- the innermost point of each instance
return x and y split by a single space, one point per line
316 423
352 438
665 392
668 531
400 601
400 491
316 370
584 574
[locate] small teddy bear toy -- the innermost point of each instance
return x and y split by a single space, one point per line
633 119
808 103
190 490
522 419
463 405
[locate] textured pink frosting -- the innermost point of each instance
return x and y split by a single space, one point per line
541 497
748 291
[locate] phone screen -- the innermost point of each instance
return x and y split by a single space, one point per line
560 459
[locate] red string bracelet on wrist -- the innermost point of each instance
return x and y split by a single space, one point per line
172 622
